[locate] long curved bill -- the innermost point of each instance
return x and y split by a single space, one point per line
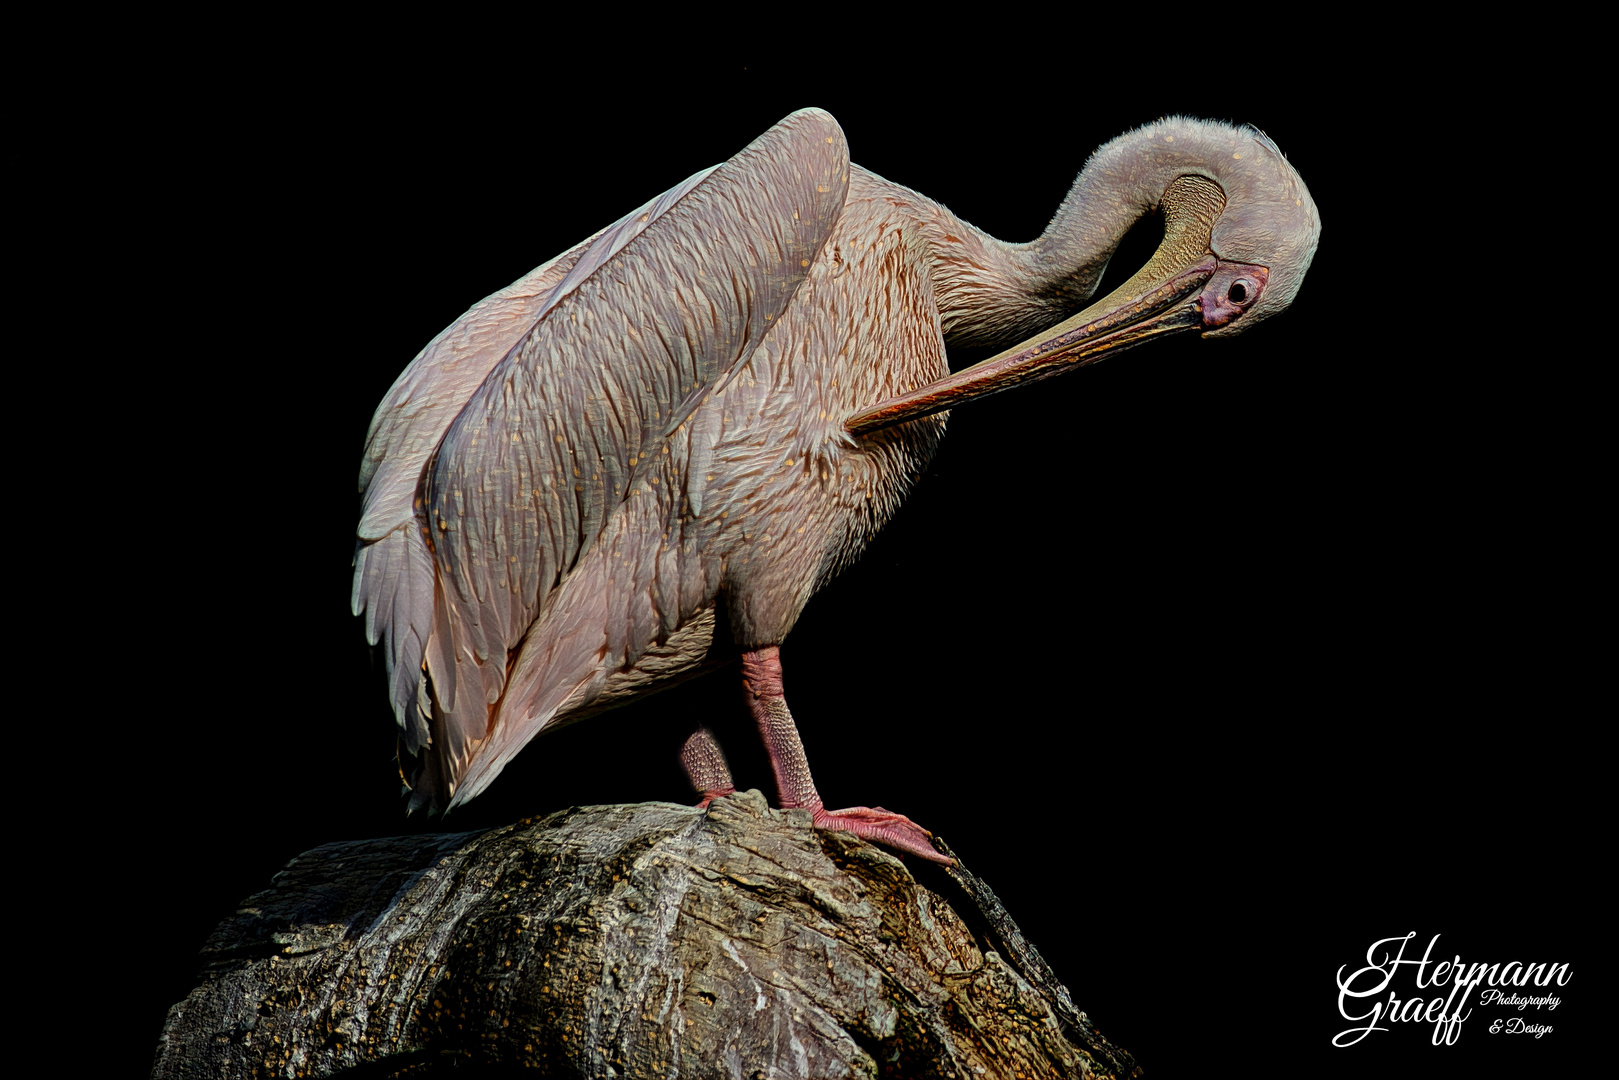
1124 323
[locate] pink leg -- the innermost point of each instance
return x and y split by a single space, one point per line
706 768
761 675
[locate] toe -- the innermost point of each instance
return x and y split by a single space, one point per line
884 827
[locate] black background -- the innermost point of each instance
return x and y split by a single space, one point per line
1219 661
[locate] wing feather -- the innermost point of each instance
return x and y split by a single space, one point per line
399 570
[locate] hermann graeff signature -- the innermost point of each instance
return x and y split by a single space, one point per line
1446 985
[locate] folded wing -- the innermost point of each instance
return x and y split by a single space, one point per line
504 451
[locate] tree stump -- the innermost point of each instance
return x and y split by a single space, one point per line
652 940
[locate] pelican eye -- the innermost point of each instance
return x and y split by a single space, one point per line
1242 291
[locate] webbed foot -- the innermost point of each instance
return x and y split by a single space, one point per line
883 827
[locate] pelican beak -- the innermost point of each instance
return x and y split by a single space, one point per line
1207 295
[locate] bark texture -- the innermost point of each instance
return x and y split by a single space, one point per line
652 940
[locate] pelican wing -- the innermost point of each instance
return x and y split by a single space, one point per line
500 456
394 576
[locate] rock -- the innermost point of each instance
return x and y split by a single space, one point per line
652 940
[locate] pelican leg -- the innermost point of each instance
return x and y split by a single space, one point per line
761 677
705 767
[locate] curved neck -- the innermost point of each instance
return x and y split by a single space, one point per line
1008 291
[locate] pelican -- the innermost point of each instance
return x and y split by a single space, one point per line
647 454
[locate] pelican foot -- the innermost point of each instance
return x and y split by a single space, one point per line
711 795
883 827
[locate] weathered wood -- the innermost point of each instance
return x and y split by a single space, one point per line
626 941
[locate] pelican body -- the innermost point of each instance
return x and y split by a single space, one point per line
695 418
